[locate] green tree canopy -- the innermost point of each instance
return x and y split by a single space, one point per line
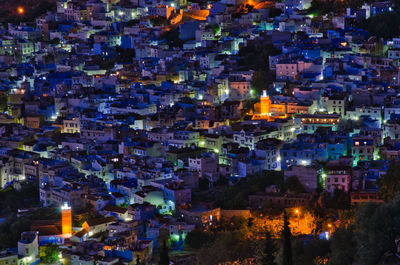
343 246
389 184
198 238
377 231
385 25
51 253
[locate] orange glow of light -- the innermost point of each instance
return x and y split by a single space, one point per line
256 4
66 220
264 109
21 10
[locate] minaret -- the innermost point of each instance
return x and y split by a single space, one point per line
265 103
66 220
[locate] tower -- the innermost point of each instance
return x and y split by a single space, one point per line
66 220
265 103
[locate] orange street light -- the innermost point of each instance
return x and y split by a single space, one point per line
21 10
330 225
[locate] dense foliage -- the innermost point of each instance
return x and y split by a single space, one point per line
385 25
236 197
320 7
11 199
343 246
287 258
269 251
256 57
389 184
51 253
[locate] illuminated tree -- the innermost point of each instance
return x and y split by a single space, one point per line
51 252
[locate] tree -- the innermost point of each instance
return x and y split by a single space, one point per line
384 25
339 200
3 103
172 38
198 238
236 197
389 184
293 184
164 257
229 246
274 12
261 80
55 41
377 231
11 229
321 7
287 242
204 184
124 55
256 57
51 253
343 246
306 253
269 251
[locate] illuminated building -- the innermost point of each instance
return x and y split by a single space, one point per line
8 257
310 122
66 220
358 197
363 148
266 110
28 248
338 174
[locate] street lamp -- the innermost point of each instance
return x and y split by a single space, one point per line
21 10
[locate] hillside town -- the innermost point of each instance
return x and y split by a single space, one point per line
177 132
